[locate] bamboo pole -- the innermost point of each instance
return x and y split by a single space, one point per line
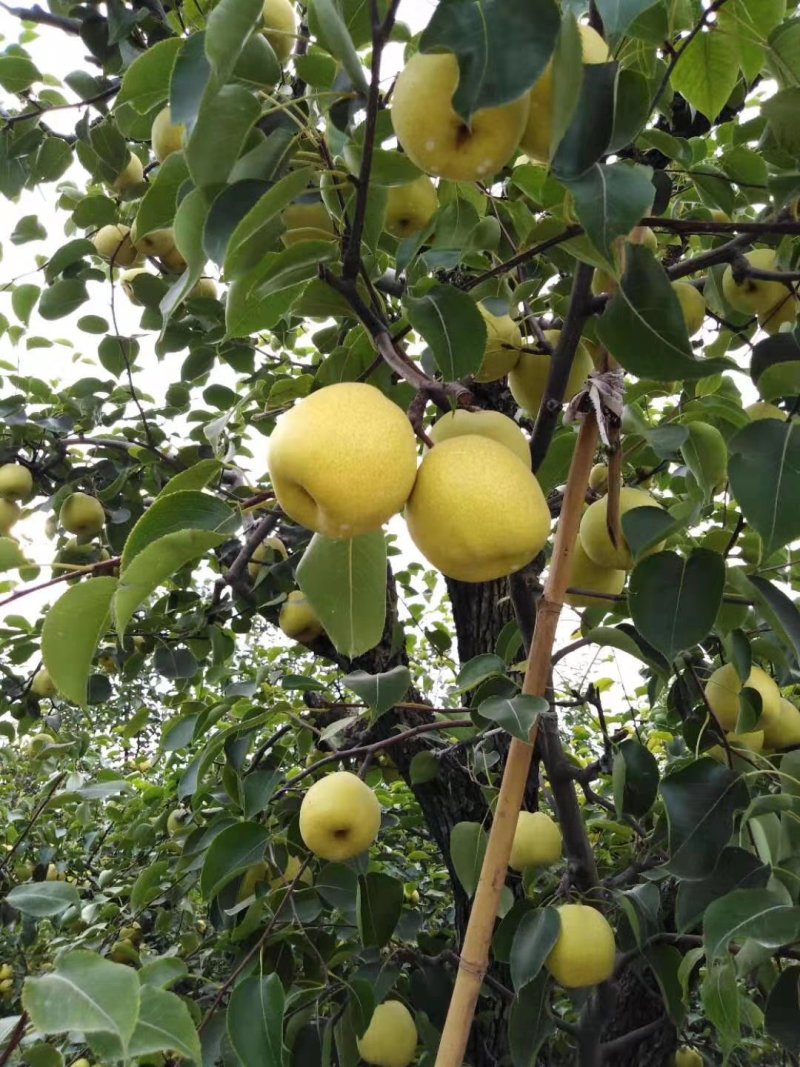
477 941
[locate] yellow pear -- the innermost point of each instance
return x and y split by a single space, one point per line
536 137
752 741
491 424
476 513
42 684
760 409
598 478
602 281
10 512
130 176
255 875
693 306
270 551
410 207
537 841
173 261
722 693
785 311
204 289
127 279
156 243
82 514
594 534
503 342
306 222
343 460
113 242
686 1056
298 620
177 822
584 953
16 482
165 137
390 1040
784 731
290 871
340 817
754 296
585 574
528 379
436 138
280 27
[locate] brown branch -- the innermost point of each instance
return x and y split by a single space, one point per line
39 110
100 567
14 1038
524 257
633 1037
377 746
676 57
44 18
724 254
561 365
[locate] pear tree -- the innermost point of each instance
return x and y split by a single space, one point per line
398 515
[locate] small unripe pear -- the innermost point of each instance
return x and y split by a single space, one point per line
113 242
42 684
10 512
205 289
16 481
165 137
130 176
280 27
156 243
82 514
298 619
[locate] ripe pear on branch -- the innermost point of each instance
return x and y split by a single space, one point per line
339 817
491 424
585 951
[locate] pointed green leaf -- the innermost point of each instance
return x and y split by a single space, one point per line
186 509
154 564
71 632
85 993
782 1014
755 914
164 1023
43 899
219 134
467 849
231 852
516 715
536 935
338 40
380 902
380 691
245 247
196 477
764 470
609 200
449 321
255 1021
227 29
617 15
675 601
345 581
707 71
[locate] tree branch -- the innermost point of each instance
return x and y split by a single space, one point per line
100 567
677 55
561 365
44 18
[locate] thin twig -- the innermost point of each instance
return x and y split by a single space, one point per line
35 815
100 567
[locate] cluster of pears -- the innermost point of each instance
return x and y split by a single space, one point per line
771 301
16 484
778 726
440 142
344 460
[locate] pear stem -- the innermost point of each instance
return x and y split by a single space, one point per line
475 950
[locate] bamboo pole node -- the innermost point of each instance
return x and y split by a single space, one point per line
476 969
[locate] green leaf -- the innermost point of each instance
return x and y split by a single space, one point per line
185 509
675 601
62 298
707 71
164 1023
567 75
148 885
635 778
424 767
189 84
705 454
755 914
478 669
43 899
617 637
159 204
379 904
617 15
382 691
154 564
449 321
195 477
11 555
17 73
245 247
516 715
586 139
782 1014
502 46
467 849
609 200
231 852
227 30
701 801
345 582
530 1022
70 634
23 300
631 108
254 1021
86 993
643 326
720 998
219 134
764 471
775 366
145 84
781 612
535 936
163 971
339 42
